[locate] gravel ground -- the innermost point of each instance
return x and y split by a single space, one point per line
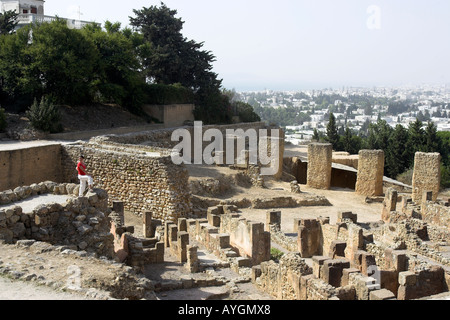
18 290
29 204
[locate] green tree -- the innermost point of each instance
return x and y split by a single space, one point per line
316 136
245 112
432 142
397 156
8 22
415 139
116 77
332 132
47 59
172 58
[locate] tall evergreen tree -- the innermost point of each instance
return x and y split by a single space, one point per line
432 142
332 132
397 155
347 140
416 139
175 59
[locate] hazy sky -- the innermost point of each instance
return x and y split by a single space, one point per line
304 44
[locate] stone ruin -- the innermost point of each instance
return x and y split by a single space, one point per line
346 260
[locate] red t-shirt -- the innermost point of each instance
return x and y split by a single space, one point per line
81 168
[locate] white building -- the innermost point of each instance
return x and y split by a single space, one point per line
32 11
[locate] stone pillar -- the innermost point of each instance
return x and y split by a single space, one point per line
192 258
118 207
333 270
370 173
319 165
389 204
182 224
273 218
147 225
426 175
182 243
309 238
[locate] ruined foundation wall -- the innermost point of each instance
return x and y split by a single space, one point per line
427 175
370 173
144 183
436 213
248 237
81 223
319 165
23 167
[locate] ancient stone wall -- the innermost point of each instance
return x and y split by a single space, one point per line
81 223
319 165
248 237
23 167
370 173
436 213
282 279
144 183
426 175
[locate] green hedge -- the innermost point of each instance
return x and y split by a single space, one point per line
168 94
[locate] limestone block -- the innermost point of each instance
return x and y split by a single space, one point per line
407 278
309 238
369 180
337 248
319 165
318 263
382 294
389 204
333 271
273 218
426 175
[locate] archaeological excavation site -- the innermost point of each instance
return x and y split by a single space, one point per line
325 226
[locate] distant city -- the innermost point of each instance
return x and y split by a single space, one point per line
300 112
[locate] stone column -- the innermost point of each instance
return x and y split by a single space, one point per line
118 207
309 238
319 165
370 173
147 225
273 218
426 175
389 204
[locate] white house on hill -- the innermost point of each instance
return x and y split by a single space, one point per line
31 11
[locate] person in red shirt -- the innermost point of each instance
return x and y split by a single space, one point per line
83 176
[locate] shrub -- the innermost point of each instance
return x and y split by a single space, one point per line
275 254
406 177
2 120
45 116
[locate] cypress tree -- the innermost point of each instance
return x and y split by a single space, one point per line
332 132
397 156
